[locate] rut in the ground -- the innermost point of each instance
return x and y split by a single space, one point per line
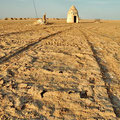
105 76
22 49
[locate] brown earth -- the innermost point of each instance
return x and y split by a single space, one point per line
59 71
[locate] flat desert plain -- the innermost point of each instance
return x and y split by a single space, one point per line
59 71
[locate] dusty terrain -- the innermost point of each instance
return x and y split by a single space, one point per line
59 71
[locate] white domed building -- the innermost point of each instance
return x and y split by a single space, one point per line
73 16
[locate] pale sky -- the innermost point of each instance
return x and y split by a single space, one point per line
88 9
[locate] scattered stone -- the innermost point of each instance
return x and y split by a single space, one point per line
39 21
47 68
39 104
10 72
1 96
60 71
2 54
8 84
34 59
83 94
1 46
18 104
15 85
22 85
1 82
43 92
86 89
92 80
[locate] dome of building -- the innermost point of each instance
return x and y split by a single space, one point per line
73 9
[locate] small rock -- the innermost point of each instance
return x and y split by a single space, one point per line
20 105
88 102
10 72
2 55
22 85
1 82
8 84
17 104
15 85
83 94
1 46
60 71
85 90
1 96
40 21
92 80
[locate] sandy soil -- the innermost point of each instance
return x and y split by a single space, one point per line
59 71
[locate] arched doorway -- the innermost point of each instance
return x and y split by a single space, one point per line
75 19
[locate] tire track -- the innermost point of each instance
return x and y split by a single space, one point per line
105 76
20 32
104 35
26 47
94 30
14 33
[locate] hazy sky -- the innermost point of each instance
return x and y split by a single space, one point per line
88 9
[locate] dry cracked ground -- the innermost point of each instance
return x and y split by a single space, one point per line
59 71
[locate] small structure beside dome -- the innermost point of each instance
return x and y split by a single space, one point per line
73 16
44 18
41 20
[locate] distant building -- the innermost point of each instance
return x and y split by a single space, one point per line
73 16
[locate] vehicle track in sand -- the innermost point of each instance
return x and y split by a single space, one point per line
103 68
26 47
